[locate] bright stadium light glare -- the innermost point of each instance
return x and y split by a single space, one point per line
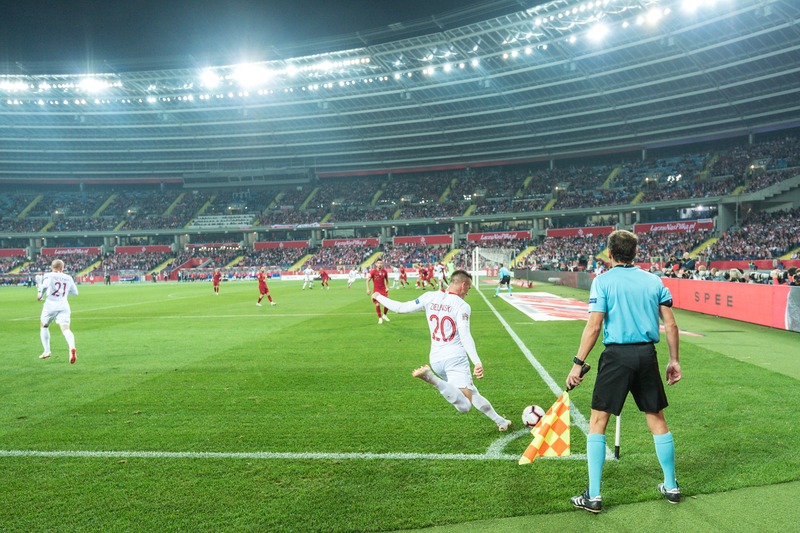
13 86
209 78
654 15
597 32
248 75
92 85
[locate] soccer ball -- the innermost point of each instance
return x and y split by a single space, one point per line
531 415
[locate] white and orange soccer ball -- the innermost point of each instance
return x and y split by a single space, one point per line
531 415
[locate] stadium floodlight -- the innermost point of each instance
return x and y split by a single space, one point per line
13 86
92 85
597 32
209 78
690 6
249 75
654 15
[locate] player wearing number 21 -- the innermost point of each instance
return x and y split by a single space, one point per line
55 287
452 346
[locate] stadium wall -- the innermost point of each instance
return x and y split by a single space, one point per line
775 306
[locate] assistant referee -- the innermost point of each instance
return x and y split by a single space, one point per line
626 302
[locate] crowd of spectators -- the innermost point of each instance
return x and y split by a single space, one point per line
281 258
447 209
21 225
410 255
7 264
73 204
346 192
564 253
339 257
659 246
761 236
73 263
143 262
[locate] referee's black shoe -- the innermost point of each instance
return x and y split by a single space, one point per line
593 505
672 495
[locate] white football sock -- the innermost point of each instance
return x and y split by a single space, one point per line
452 394
70 338
483 405
44 333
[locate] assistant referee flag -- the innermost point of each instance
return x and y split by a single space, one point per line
551 434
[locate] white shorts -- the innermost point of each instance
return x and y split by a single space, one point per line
455 371
60 315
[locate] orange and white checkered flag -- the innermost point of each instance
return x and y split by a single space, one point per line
551 434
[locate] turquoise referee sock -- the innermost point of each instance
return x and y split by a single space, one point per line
595 457
665 451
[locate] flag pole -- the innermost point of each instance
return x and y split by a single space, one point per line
616 440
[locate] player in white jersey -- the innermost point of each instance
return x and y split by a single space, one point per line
438 275
395 278
452 346
353 275
55 288
38 279
308 278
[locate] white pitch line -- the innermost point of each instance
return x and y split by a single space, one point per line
194 317
268 455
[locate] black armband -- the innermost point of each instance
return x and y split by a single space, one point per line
577 361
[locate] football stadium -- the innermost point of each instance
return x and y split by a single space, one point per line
228 232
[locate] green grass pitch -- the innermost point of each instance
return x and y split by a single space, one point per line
189 411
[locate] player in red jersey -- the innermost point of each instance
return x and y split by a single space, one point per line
431 279
215 279
262 287
325 277
379 276
403 276
422 279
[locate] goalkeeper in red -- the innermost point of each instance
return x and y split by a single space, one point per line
452 347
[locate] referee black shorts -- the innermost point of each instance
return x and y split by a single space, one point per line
627 368
505 280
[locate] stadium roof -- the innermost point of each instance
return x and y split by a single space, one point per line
561 79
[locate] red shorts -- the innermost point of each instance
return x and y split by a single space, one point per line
382 293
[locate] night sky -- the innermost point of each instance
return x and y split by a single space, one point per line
92 31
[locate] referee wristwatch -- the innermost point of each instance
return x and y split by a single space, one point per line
578 361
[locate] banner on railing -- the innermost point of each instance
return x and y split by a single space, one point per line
580 232
498 236
279 244
148 249
90 250
682 226
424 240
338 243
12 252
213 245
